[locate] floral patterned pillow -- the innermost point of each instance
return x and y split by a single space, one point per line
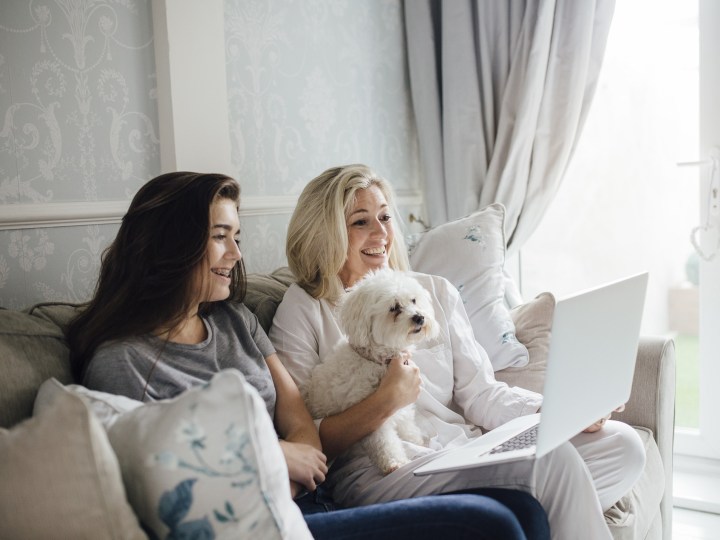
207 464
470 253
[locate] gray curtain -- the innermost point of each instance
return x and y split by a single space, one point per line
501 89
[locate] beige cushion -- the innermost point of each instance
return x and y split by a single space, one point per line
57 313
207 463
265 292
470 253
60 478
32 349
533 322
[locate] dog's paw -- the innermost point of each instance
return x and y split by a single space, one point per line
392 465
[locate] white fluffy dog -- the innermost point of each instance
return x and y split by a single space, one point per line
383 316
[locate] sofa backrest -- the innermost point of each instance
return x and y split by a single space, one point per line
33 347
265 292
32 350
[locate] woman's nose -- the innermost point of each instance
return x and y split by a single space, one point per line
379 228
234 252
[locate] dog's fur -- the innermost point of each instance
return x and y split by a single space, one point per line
383 316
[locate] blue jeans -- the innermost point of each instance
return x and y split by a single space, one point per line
483 514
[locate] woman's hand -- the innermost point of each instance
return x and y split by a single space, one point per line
401 383
307 466
597 426
399 387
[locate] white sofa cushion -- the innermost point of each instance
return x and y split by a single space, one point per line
470 253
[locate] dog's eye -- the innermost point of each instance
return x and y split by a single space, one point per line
395 308
413 300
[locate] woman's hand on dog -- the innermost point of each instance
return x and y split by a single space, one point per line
401 382
307 466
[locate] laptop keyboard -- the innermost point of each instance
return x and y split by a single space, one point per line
522 440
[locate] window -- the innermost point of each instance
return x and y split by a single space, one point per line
626 205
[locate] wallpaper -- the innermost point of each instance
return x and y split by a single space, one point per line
311 84
78 122
76 93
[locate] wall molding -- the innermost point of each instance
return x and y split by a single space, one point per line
70 214
75 214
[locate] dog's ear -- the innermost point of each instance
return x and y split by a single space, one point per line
354 316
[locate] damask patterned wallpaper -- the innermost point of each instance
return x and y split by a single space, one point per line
311 84
78 122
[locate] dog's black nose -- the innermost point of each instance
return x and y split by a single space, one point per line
418 319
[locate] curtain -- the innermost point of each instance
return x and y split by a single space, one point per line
500 91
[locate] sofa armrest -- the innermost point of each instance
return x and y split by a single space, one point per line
652 401
652 404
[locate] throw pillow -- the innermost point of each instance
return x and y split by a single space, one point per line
61 479
106 407
533 325
265 292
207 463
32 349
470 253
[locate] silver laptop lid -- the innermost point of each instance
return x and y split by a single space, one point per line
591 359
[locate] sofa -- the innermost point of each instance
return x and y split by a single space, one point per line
53 431
33 351
38 395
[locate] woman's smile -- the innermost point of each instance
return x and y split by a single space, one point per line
370 235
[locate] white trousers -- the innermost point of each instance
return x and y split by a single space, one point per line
575 483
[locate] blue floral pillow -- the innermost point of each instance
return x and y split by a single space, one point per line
207 464
470 253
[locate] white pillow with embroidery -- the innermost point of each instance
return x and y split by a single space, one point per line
470 253
105 407
207 464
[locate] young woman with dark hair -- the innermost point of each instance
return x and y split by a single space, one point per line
146 283
159 322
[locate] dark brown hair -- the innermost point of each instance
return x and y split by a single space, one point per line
146 274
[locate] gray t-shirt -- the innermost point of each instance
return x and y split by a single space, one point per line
235 340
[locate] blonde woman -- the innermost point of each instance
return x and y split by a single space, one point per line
342 227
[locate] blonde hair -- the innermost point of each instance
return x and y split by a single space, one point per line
317 240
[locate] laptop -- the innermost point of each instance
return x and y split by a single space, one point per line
590 368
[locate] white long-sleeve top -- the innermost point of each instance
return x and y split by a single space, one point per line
459 391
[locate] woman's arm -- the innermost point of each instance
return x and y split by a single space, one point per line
307 465
483 400
399 387
304 330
